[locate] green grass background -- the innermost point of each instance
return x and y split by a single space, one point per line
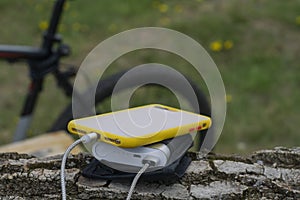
260 71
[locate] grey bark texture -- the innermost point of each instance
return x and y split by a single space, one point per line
266 174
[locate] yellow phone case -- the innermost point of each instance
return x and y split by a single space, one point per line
140 126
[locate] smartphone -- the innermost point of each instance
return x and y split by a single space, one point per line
140 126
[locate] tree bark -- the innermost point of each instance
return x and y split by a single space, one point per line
266 174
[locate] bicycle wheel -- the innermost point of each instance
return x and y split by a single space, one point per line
106 87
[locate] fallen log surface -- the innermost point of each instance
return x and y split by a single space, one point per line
266 174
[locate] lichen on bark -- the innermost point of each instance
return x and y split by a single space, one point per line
266 174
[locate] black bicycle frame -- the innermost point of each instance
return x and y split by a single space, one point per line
41 60
50 35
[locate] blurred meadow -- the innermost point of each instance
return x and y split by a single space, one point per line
254 43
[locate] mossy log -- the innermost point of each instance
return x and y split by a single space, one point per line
266 174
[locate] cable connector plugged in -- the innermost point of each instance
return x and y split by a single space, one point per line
91 137
151 160
148 161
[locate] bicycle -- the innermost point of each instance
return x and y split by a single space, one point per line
45 60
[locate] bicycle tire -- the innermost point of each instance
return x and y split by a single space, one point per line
105 89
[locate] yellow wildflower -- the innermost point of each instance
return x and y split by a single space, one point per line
298 20
66 6
228 44
178 9
163 8
228 98
216 45
112 28
43 25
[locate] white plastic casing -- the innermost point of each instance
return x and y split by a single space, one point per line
132 159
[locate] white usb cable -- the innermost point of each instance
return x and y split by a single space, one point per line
84 139
135 180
